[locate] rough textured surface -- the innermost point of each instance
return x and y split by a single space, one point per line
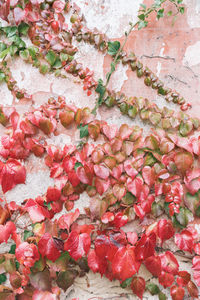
171 52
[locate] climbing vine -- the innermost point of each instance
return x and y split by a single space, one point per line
154 179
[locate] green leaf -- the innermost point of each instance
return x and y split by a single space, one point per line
12 249
2 46
162 296
27 234
24 54
160 13
142 24
4 53
2 278
153 288
113 48
23 28
141 17
182 10
57 64
18 41
33 51
126 282
2 76
77 164
84 131
64 56
10 30
44 69
179 1
51 57
143 5
169 13
13 49
184 216
100 90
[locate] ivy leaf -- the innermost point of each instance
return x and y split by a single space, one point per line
77 164
124 264
138 286
126 283
169 13
160 13
141 17
101 90
182 10
2 278
48 247
77 244
153 288
10 30
143 5
23 28
51 57
83 131
11 174
113 48
27 234
2 76
142 24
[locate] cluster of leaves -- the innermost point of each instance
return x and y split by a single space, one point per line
128 171
127 177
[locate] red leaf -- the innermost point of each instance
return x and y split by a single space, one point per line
73 178
183 278
110 131
145 246
165 229
6 230
177 292
37 212
138 286
53 194
95 263
192 180
101 185
153 265
107 217
105 247
11 174
19 15
148 175
84 175
120 220
77 245
192 289
135 186
48 247
119 191
101 171
169 263
132 237
196 268
129 169
196 248
124 264
184 240
166 279
27 254
68 163
58 5
66 220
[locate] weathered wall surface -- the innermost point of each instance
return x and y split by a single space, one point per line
173 53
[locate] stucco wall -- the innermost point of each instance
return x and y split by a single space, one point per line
171 52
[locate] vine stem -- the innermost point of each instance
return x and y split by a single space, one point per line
115 61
